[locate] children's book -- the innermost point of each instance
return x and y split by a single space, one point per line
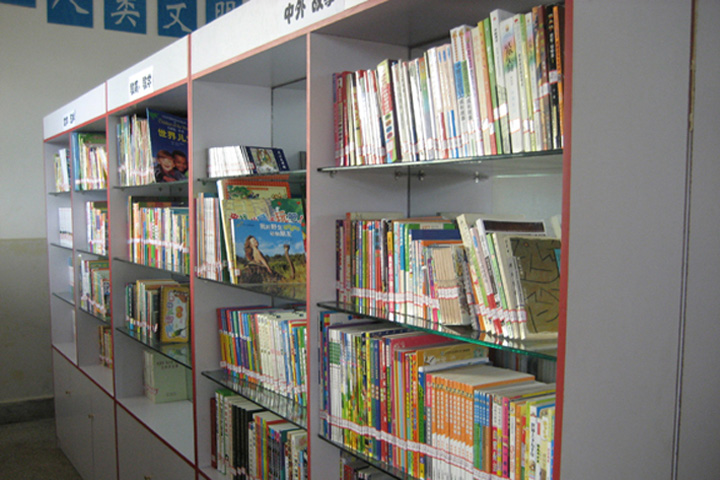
268 252
174 314
168 145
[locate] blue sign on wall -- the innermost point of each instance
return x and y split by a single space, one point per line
21 3
176 18
126 16
78 13
218 8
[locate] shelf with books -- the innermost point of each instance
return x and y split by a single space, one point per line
180 353
180 277
382 466
545 349
287 292
278 404
547 162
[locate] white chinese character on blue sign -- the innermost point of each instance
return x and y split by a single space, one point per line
176 18
126 15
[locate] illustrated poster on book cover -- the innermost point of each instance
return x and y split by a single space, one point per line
269 252
169 146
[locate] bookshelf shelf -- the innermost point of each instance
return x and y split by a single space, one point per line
88 252
59 194
63 247
546 349
519 164
382 466
105 320
278 404
179 276
178 352
66 297
178 187
291 292
293 176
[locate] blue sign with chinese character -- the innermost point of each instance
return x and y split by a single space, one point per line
176 18
218 8
21 3
78 13
126 15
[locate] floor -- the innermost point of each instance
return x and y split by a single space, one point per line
29 451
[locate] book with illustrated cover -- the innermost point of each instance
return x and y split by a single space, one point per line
168 135
174 314
268 252
538 270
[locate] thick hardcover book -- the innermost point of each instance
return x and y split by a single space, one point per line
175 314
164 380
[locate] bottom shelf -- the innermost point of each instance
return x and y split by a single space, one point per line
171 422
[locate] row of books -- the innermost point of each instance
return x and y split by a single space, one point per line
496 88
159 233
96 224
251 442
252 232
65 226
158 310
432 407
62 170
152 149
105 345
90 162
95 287
267 347
497 274
236 160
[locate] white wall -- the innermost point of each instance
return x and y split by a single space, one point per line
42 67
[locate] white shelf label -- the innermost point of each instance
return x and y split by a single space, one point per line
141 83
69 119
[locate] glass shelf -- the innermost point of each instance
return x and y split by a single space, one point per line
65 297
60 245
278 404
295 292
105 320
546 349
370 461
184 276
88 252
290 176
148 187
178 352
92 190
59 194
548 162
